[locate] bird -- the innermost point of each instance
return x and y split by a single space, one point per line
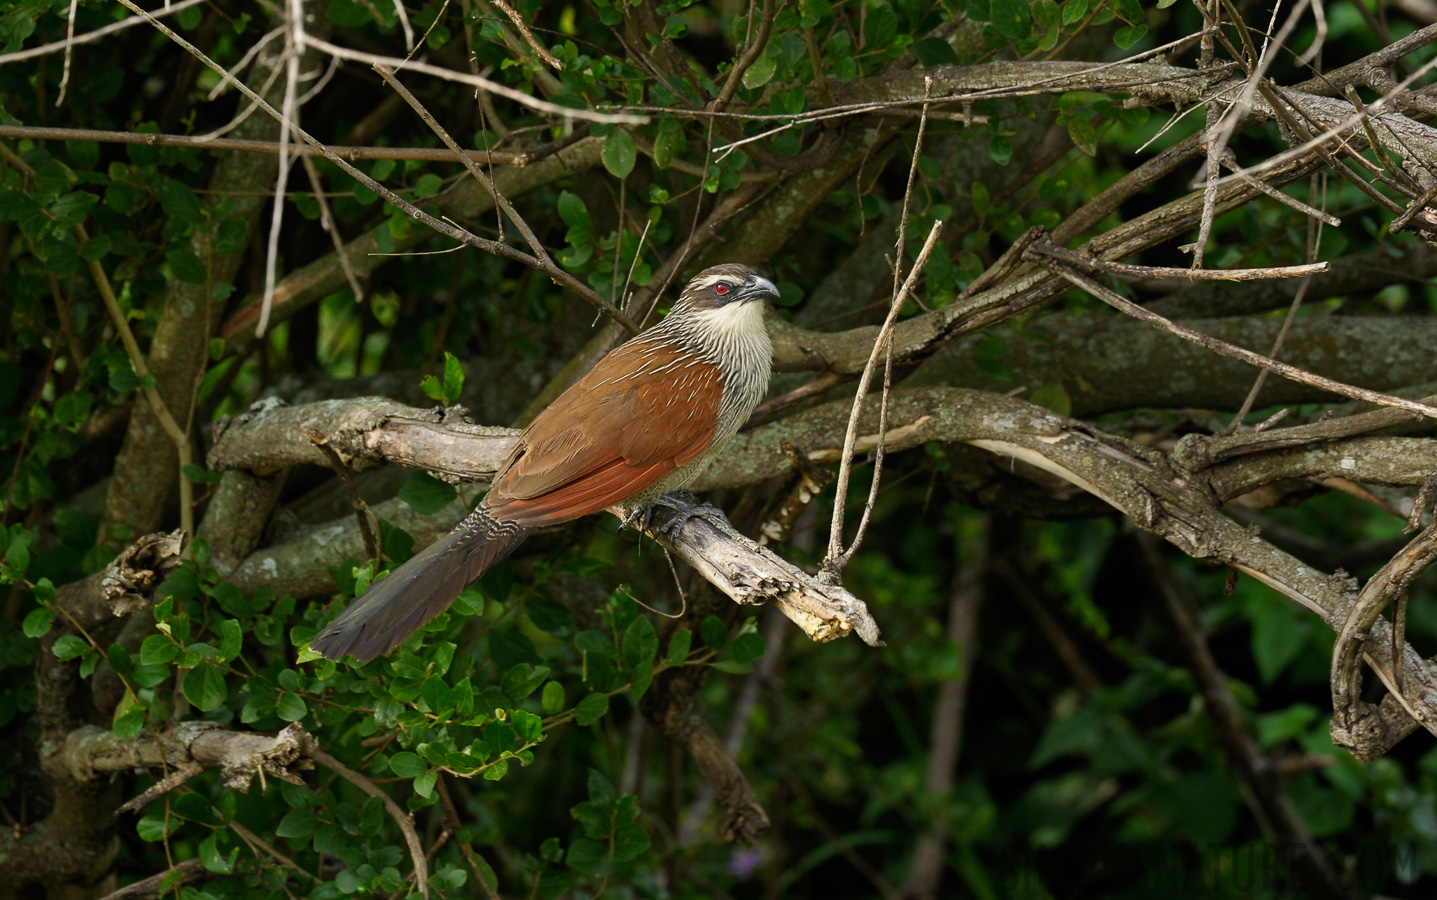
648 418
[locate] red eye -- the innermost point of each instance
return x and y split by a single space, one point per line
720 288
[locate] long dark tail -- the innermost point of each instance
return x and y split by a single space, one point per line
400 604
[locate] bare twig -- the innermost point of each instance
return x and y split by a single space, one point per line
1223 348
326 219
528 36
837 556
1215 151
288 121
534 103
1325 217
750 55
1098 264
1280 105
428 154
1255 773
362 511
451 812
950 708
71 40
1314 241
501 202
187 872
400 817
496 247
1352 717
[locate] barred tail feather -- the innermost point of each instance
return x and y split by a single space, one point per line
401 603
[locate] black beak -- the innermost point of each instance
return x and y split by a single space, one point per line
757 288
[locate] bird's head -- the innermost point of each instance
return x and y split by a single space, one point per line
726 285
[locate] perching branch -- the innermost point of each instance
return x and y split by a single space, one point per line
372 431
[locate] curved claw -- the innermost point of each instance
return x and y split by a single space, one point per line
684 505
682 514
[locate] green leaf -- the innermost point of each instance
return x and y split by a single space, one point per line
212 859
1000 149
157 650
763 68
205 686
641 642
74 408
291 707
1293 722
630 842
428 185
1126 37
510 648
119 659
591 640
38 622
23 211
1047 16
522 680
70 646
156 826
73 208
424 784
17 554
642 677
714 632
96 247
553 698
186 266
619 153
529 726
732 667
230 235
433 388
591 709
1277 639
665 145
1011 18
1083 134
297 824
1074 11
231 639
85 154
427 494
748 647
588 856
179 202
436 695
936 52
1130 11
574 213
979 198
407 765
679 647
880 28
1055 397
453 377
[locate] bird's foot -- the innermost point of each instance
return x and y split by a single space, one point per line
685 506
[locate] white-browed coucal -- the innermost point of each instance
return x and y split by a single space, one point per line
648 418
